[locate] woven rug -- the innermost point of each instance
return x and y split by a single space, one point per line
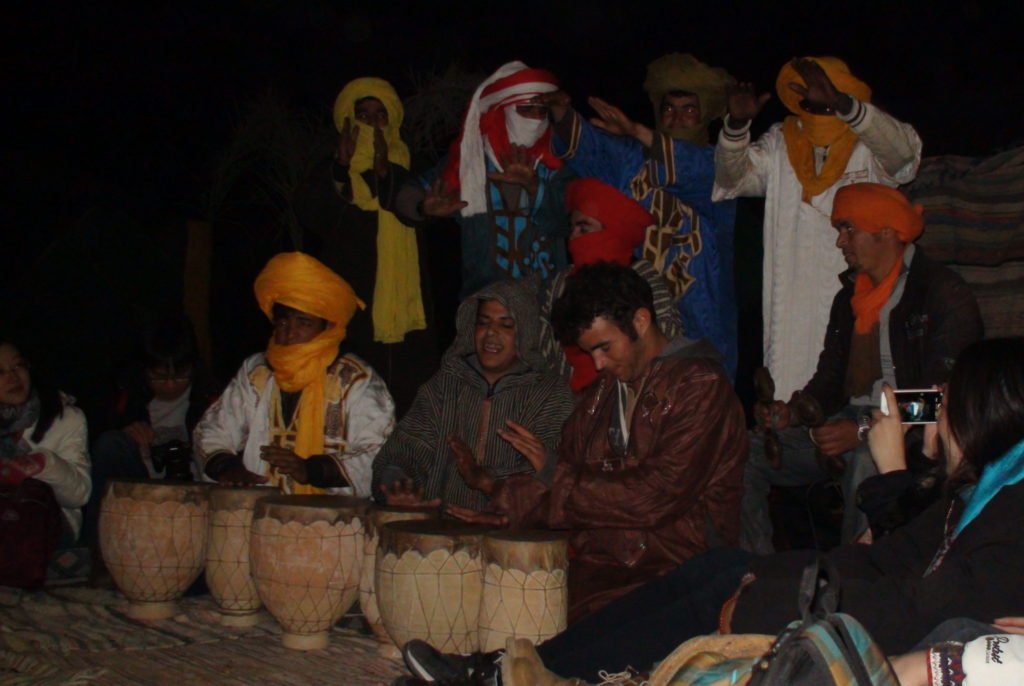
81 636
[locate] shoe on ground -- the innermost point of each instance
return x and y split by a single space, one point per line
432 666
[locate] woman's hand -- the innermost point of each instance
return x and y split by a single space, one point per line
885 438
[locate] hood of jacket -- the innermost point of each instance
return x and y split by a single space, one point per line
521 302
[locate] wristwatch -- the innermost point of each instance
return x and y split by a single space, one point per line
863 425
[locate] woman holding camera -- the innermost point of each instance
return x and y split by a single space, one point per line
963 557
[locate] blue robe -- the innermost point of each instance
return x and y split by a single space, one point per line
693 245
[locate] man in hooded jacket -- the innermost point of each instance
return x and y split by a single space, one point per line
494 399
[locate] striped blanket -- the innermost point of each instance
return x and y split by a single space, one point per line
974 222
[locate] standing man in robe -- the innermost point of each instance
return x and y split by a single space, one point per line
500 182
834 137
343 205
670 172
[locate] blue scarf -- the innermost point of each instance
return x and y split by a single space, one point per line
1006 471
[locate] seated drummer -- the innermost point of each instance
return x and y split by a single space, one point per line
650 469
304 416
494 402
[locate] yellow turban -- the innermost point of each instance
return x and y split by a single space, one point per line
804 130
303 283
397 301
684 72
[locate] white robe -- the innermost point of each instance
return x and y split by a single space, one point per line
801 261
360 417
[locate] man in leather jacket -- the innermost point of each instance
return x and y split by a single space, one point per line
651 459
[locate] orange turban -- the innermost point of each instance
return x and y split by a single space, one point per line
301 282
805 130
872 207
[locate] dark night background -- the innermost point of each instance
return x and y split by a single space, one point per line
117 114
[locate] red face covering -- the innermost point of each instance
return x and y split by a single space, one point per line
624 221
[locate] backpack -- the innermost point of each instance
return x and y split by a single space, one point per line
31 524
823 648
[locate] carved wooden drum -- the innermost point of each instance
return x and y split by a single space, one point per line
227 553
306 552
367 588
429 582
525 592
153 541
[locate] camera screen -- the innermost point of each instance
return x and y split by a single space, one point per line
918 407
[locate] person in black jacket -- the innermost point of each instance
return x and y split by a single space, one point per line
155 410
961 558
898 318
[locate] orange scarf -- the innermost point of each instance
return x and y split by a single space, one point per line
303 283
868 299
804 131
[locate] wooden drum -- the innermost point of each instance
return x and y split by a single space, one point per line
227 553
378 517
525 592
153 541
428 578
306 552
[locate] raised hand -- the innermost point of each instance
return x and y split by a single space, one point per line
519 168
745 103
440 202
614 121
406 493
492 519
820 95
347 143
380 154
286 462
528 445
475 476
558 103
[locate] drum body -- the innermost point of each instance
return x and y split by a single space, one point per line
525 591
153 540
227 553
429 582
378 517
306 552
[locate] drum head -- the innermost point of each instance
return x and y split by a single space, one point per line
311 508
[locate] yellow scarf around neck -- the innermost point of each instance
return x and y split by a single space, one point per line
397 301
305 284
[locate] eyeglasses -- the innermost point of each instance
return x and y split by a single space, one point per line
169 378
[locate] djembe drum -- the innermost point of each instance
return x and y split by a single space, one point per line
153 541
306 552
429 581
378 517
227 553
525 592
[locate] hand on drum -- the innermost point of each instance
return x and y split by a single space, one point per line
286 462
237 475
475 476
406 493
476 517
